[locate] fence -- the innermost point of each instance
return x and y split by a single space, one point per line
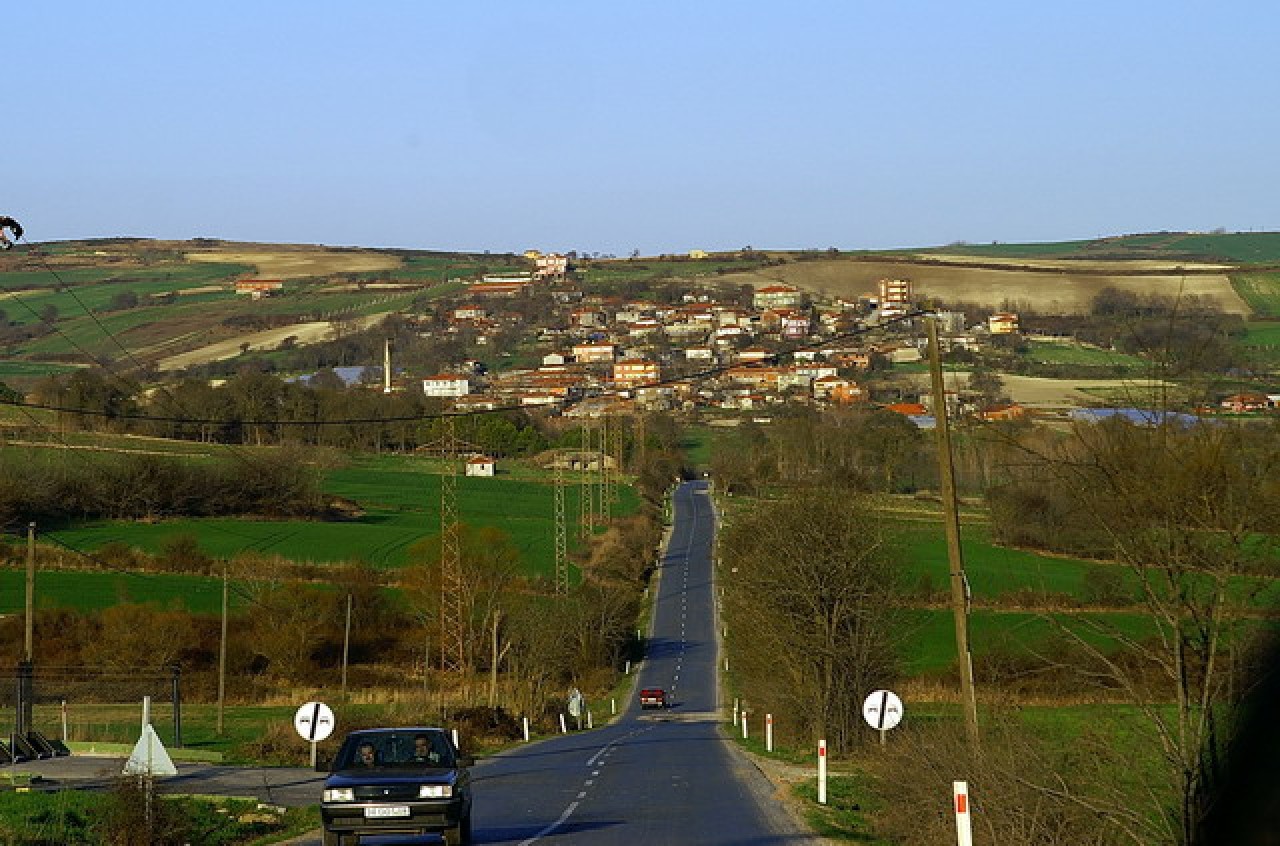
90 703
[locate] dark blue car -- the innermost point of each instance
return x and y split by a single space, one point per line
397 781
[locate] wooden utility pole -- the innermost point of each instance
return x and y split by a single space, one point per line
222 654
29 640
346 648
951 518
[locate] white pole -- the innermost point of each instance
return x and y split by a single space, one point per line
526 729
768 732
454 732
613 707
313 754
563 728
735 712
628 666
589 723
964 833
822 772
64 721
744 725
146 712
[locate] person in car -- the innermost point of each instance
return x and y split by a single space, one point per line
366 756
424 753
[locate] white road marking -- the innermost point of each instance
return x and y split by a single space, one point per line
567 811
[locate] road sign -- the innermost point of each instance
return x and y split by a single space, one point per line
575 703
314 721
882 710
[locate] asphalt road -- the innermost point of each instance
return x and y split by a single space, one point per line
651 777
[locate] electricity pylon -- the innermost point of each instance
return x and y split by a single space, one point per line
586 500
453 646
562 531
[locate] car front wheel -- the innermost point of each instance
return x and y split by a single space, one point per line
460 834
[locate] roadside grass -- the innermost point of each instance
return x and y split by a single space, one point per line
1260 290
69 817
698 444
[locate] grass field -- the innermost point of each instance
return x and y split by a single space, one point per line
1075 354
401 498
1235 247
1260 290
96 288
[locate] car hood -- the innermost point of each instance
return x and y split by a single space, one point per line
355 778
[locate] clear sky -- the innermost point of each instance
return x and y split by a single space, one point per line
608 126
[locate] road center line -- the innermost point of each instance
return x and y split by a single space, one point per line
573 806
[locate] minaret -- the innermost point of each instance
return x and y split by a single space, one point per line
386 367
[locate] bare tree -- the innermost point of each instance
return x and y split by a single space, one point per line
809 583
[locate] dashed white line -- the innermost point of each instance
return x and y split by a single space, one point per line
573 806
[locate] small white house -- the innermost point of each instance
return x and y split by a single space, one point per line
446 385
480 465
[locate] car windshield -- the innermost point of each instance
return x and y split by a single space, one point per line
411 749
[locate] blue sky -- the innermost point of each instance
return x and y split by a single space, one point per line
607 127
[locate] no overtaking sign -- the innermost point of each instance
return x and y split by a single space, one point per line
314 721
882 709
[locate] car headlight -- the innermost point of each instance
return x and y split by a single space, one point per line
339 794
435 791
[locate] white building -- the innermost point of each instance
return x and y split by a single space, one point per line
481 465
446 385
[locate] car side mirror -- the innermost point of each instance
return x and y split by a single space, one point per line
466 761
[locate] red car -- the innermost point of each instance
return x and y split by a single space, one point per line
653 697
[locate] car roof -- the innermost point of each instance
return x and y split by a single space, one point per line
397 730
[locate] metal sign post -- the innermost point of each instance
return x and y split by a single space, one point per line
314 722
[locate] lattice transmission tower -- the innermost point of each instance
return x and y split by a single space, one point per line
562 530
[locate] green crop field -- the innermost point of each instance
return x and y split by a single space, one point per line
1260 290
85 591
401 502
928 644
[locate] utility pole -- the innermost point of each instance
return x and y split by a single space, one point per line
955 555
29 639
222 654
346 648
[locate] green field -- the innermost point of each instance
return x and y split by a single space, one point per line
1260 290
95 287
88 591
929 641
1075 354
401 499
1235 247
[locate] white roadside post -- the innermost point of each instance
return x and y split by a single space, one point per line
526 729
590 724
744 724
314 722
735 712
454 734
822 772
64 721
964 832
768 732
613 707
564 729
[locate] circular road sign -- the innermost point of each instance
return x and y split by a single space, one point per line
882 709
314 721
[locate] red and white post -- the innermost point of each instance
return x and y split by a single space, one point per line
768 732
964 832
822 772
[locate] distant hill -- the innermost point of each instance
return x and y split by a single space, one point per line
1215 247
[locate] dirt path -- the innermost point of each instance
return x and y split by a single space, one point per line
267 339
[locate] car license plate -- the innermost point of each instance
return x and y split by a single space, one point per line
387 811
